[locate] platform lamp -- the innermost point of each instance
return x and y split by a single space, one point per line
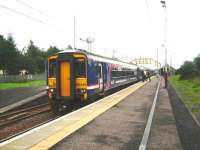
89 41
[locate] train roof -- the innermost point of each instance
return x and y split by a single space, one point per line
100 57
105 59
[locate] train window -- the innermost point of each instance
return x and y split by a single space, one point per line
52 68
98 71
114 73
80 68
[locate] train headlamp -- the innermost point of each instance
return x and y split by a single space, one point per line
82 91
51 90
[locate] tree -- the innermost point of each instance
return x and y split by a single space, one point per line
9 55
2 54
35 59
52 50
69 47
197 63
187 70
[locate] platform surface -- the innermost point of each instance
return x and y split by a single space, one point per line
122 126
164 133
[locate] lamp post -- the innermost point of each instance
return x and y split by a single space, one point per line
89 41
113 54
157 59
165 30
74 32
171 56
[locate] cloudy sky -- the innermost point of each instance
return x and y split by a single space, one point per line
132 28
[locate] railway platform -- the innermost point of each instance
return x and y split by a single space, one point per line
12 98
118 121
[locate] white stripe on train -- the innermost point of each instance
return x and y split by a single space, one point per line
93 87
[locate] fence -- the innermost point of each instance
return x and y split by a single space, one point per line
21 78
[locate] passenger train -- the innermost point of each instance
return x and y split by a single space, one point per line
77 75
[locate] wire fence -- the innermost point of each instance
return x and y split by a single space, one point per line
21 78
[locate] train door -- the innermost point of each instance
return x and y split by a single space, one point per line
100 77
65 78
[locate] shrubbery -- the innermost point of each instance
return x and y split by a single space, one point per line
189 69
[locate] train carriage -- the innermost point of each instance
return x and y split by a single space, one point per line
76 75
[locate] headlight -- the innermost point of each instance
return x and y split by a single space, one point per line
82 91
51 90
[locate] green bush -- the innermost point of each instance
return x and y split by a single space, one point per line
187 70
197 63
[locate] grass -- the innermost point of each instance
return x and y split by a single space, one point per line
4 86
189 92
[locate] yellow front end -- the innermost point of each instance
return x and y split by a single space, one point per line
81 88
52 82
52 87
52 76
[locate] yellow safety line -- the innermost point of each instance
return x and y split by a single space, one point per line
104 105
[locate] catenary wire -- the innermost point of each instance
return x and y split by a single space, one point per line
27 16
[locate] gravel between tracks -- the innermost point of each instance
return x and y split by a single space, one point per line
188 129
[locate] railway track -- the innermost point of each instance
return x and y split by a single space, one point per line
26 130
23 120
13 117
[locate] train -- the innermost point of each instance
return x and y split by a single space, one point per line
77 75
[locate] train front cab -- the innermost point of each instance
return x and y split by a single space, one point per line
67 80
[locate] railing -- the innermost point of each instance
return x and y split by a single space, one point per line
21 78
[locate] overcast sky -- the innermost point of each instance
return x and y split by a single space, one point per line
133 28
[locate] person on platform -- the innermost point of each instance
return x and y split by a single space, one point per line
165 76
143 76
148 75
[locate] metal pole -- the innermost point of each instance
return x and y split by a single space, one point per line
91 47
74 32
105 51
165 35
113 56
171 70
157 58
88 46
165 30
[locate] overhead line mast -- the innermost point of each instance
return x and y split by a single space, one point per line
148 10
74 32
163 2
